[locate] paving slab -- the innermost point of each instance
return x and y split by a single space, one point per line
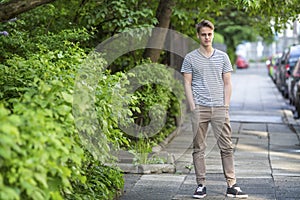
153 187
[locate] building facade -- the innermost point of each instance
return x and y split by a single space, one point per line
259 50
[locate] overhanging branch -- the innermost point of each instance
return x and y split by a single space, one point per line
13 8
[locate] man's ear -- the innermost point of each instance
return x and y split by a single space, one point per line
198 36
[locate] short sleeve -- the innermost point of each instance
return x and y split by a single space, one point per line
186 65
227 64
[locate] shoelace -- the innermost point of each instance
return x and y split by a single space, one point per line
199 189
238 189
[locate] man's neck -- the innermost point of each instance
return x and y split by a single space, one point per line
206 51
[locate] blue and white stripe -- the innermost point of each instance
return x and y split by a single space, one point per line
207 73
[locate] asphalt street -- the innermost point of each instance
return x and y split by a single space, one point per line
267 150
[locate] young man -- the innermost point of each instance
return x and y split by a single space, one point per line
207 82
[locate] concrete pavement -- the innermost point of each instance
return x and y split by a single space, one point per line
267 151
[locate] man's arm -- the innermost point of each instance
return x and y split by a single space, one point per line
188 90
227 88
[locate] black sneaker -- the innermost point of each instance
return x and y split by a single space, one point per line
236 192
200 192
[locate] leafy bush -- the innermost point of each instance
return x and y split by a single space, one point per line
17 45
38 148
41 156
158 98
102 182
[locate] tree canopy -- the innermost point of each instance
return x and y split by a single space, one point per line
237 20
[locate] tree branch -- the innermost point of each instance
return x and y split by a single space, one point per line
13 8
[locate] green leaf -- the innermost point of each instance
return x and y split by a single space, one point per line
5 152
67 97
56 195
64 109
9 193
38 195
10 130
41 178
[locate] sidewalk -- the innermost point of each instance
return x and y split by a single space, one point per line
267 151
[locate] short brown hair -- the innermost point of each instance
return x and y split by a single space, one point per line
204 23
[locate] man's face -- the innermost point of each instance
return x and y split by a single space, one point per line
206 36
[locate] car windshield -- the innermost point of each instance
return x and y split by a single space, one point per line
293 59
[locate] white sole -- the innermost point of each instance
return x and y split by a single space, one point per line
199 197
237 196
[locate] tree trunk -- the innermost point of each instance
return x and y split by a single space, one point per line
157 39
13 8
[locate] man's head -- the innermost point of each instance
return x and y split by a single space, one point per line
205 32
204 23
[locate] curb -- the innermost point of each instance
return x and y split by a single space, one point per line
169 167
147 168
288 118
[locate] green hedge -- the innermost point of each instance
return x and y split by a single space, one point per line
41 155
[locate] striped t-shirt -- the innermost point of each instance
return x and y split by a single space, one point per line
207 81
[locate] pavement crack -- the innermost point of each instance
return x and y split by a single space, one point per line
269 157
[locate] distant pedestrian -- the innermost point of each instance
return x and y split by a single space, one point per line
207 81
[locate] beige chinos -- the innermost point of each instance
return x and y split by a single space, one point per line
218 117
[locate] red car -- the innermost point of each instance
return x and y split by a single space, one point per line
241 62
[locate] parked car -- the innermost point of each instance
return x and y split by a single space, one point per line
272 65
297 99
276 72
287 63
294 77
241 62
